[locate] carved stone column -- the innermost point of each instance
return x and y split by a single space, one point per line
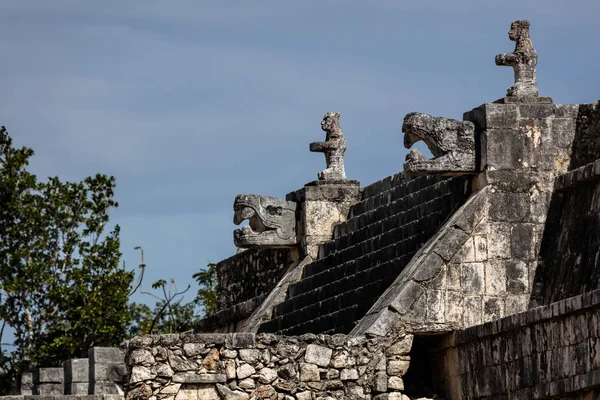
322 205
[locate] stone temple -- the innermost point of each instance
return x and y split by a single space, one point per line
474 274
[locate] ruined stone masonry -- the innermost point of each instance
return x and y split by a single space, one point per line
471 275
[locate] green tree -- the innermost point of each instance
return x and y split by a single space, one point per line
61 287
169 314
207 292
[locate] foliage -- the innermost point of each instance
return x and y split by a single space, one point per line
207 293
168 316
61 287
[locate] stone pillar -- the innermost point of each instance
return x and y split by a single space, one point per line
323 204
48 381
524 146
26 383
106 370
77 375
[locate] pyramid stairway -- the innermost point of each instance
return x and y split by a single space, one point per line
386 228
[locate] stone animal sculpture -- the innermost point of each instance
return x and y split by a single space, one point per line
451 142
523 60
272 222
334 148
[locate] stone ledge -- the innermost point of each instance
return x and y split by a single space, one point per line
65 397
577 177
516 321
514 99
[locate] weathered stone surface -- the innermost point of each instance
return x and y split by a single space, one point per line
249 355
245 370
523 61
272 221
195 377
334 148
142 357
267 375
309 372
395 383
76 370
349 374
48 375
140 373
229 394
401 347
318 355
451 142
397 367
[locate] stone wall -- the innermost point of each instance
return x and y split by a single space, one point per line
551 351
395 217
571 245
586 145
249 274
480 265
265 366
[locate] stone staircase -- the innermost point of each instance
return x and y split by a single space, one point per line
395 217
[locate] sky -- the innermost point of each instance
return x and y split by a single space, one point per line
189 103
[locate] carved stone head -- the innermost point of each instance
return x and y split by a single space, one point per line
331 124
519 30
272 221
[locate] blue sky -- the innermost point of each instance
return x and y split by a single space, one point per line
188 103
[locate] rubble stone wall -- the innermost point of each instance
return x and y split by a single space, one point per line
546 352
265 366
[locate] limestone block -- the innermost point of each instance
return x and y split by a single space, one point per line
77 388
249 355
164 371
247 383
198 392
517 277
472 310
230 372
380 381
229 394
495 277
48 389
140 374
472 278
499 240
349 374
105 355
141 357
397 367
26 381
309 372
401 347
48 375
318 355
245 370
395 383
267 375
76 370
195 377
193 349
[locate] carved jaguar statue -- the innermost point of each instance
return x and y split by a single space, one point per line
451 142
272 222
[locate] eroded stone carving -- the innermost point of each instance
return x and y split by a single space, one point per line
523 60
333 147
272 221
451 142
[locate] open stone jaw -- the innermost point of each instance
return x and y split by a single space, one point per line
451 142
272 222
